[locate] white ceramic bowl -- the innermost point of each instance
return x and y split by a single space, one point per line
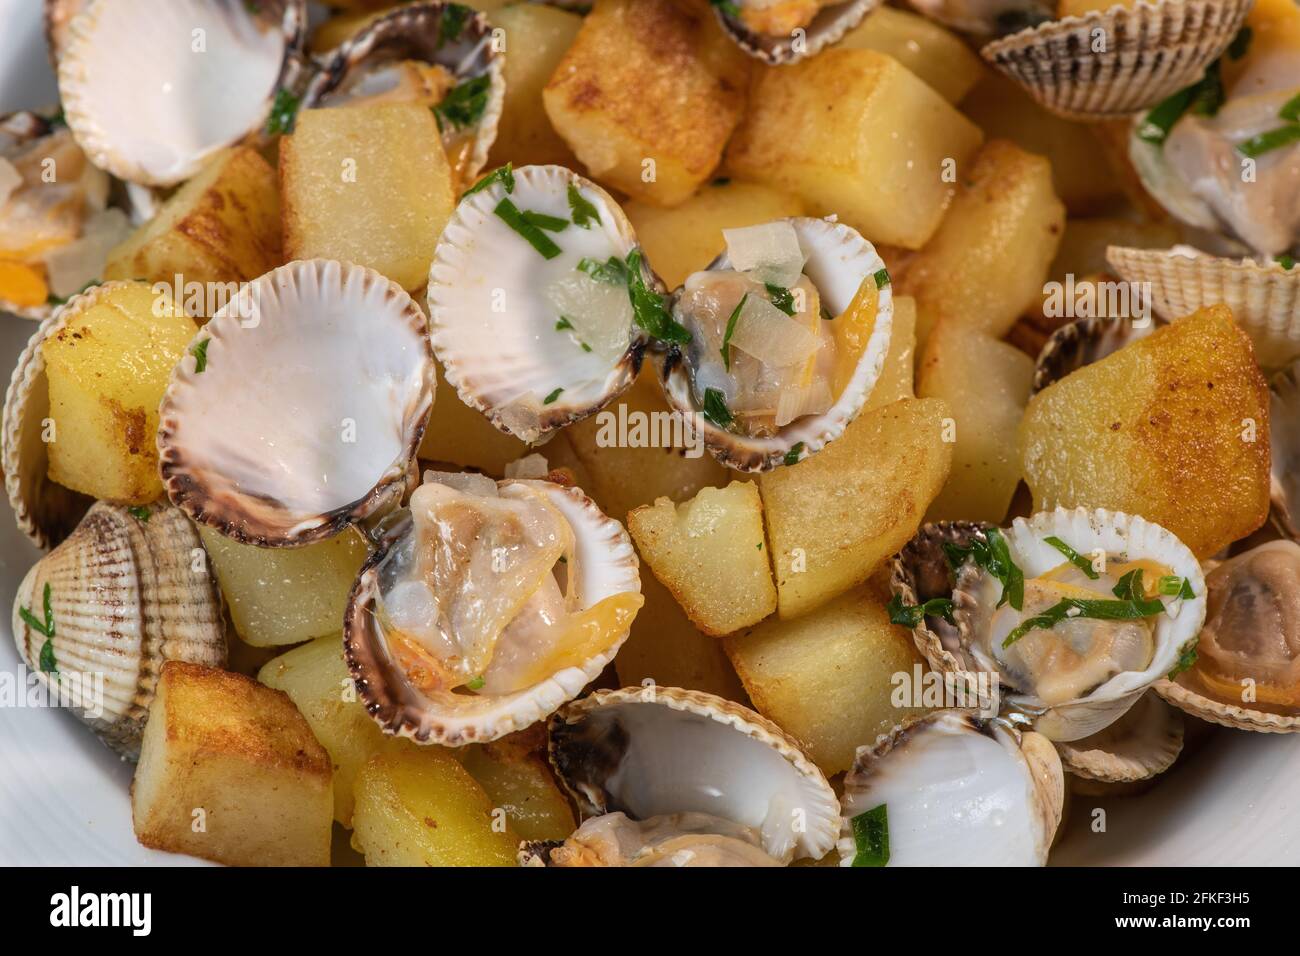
64 797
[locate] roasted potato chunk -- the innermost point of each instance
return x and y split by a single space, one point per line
366 184
108 368
647 96
936 55
229 771
221 227
1172 427
518 780
852 132
828 677
896 377
463 436
712 554
834 518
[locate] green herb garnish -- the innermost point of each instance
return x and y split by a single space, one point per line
612 270
993 555
731 327
715 408
284 109
727 6
648 306
552 397
139 512
505 175
509 213
1208 96
911 615
1291 109
1132 605
1285 261
563 325
584 213
1075 558
1157 124
1269 141
200 353
781 298
793 455
1171 585
882 278
477 683
1185 660
464 104
871 837
543 221
45 628
452 23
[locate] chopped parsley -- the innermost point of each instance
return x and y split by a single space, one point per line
731 328
477 683
993 555
715 408
794 454
284 109
1131 606
564 325
882 278
552 397
613 270
505 175
1185 660
139 512
781 298
1285 261
452 23
911 615
1075 558
648 308
584 213
464 104
509 213
871 837
1269 141
200 353
727 6
1208 95
1162 117
1291 109
1171 585
542 221
46 628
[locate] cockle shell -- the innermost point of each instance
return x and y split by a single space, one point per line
827 27
130 589
1143 743
58 15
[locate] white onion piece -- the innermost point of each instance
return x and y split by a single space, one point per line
469 482
10 180
769 252
530 466
71 267
797 402
600 313
771 336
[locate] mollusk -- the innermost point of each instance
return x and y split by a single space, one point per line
951 789
255 437
151 91
1143 743
108 607
664 776
1284 440
390 59
786 31
1110 63
489 608
58 15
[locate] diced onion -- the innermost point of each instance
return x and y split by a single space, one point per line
600 313
769 252
530 466
797 402
469 482
771 336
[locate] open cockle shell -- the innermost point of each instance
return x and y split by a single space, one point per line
1284 438
152 90
1083 342
446 34
1190 701
126 595
1108 64
655 751
1144 742
58 16
837 261
298 408
607 566
957 791
492 327
827 26
919 573
1264 297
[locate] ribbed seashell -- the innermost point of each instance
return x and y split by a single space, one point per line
1236 716
420 31
151 91
1108 64
58 16
492 328
1083 342
127 594
315 388
1143 743
838 261
655 751
1284 439
828 26
996 801
1264 297
607 565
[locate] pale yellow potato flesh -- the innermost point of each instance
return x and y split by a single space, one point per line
521 782
936 55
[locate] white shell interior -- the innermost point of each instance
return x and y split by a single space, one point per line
152 89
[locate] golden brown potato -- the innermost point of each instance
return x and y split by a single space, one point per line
828 677
688 237
986 384
520 781
852 132
986 264
834 518
223 226
1083 246
229 771
647 95
711 552
366 184
896 377
935 54
1173 427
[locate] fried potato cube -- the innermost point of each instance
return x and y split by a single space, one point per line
896 377
537 37
108 368
420 807
852 132
463 436
1172 427
647 96
229 771
366 184
518 779
223 226
986 384
986 264
828 677
686 238
936 55
285 595
834 518
711 553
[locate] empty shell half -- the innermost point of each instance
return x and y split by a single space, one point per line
1143 743
786 32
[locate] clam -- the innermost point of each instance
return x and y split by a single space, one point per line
1143 743
788 331
1076 612
151 91
487 607
58 16
671 777
1284 439
438 54
299 407
1108 64
1247 668
785 31
1083 342
1264 294
97 617
950 789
